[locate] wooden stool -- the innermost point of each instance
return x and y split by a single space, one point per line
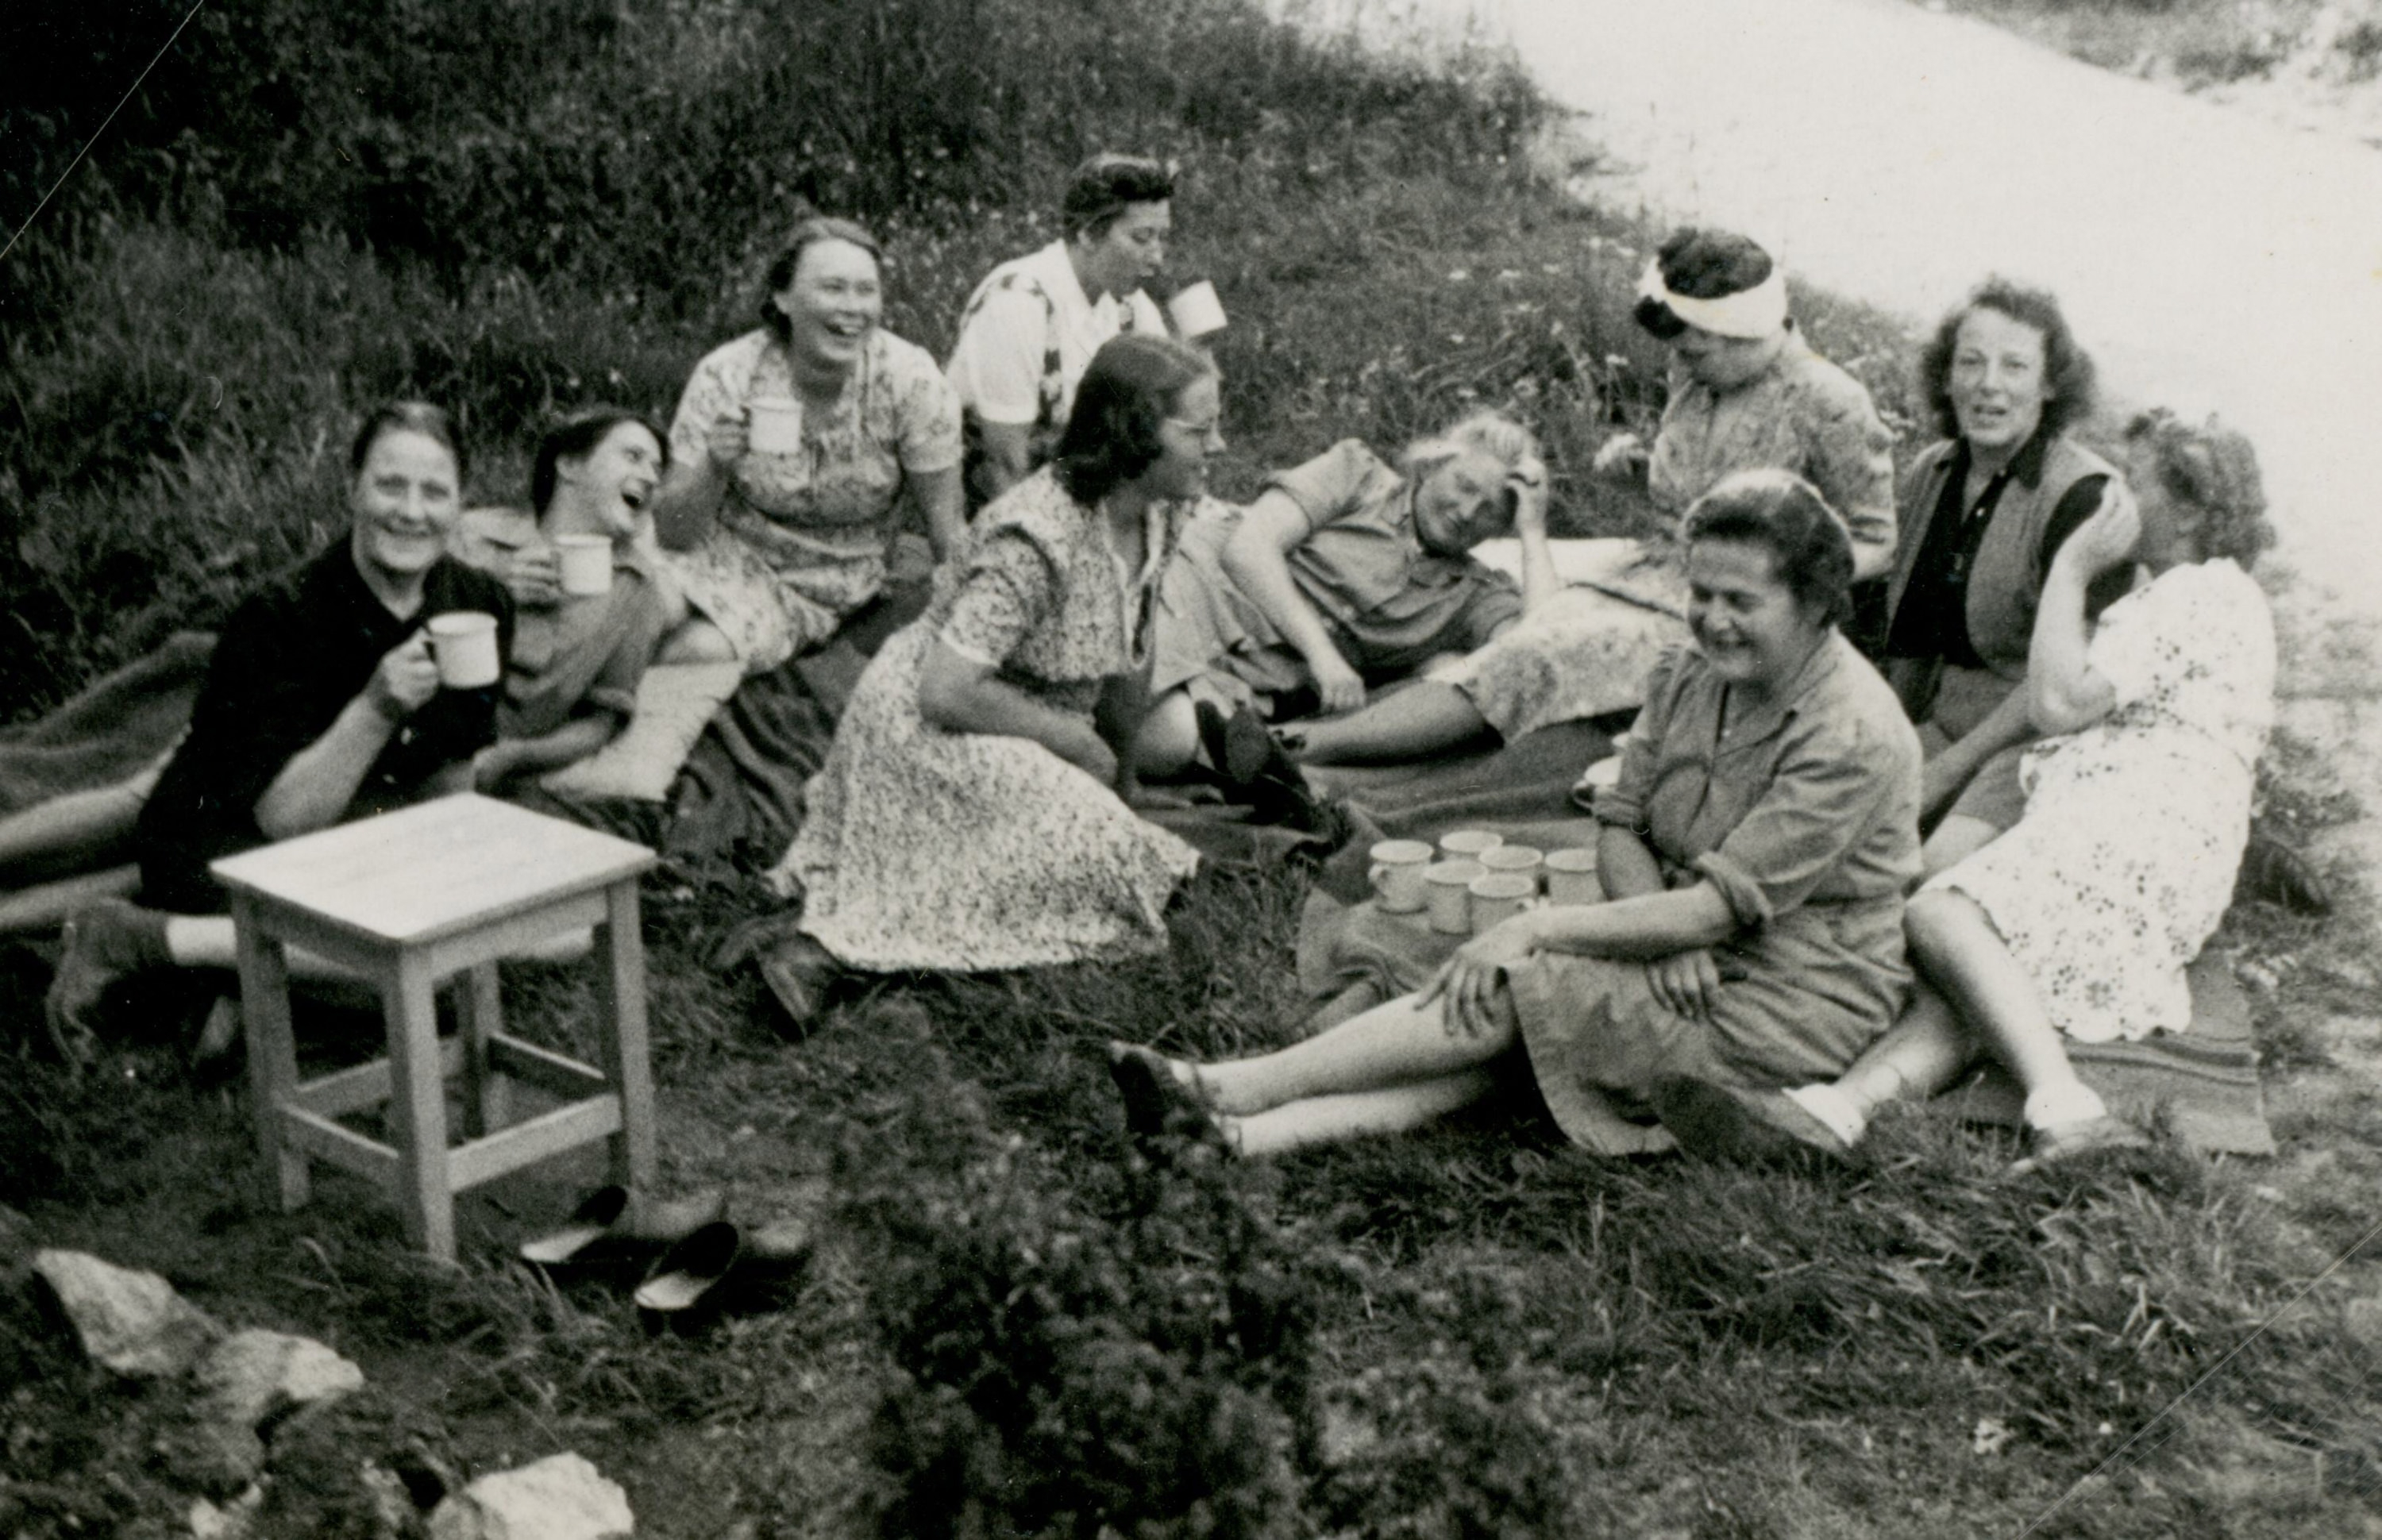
406 899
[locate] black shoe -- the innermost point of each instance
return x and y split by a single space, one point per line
2274 873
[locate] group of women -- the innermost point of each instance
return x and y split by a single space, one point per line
2078 680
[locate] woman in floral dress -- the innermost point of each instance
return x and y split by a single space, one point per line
776 543
2079 922
969 816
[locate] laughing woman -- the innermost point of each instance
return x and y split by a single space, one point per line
793 452
968 816
1754 855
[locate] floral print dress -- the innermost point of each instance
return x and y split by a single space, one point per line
2121 868
802 537
931 848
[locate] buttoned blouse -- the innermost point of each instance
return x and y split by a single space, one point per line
1806 797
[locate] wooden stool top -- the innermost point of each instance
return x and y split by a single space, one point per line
433 869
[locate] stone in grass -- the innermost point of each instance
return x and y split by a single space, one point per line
559 1498
252 1377
128 1320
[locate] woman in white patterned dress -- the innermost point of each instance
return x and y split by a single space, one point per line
970 815
2079 922
776 543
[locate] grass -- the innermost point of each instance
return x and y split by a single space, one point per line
1015 1325
2193 43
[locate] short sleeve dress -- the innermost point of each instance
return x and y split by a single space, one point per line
929 848
2122 865
1803 812
1585 652
1389 604
803 538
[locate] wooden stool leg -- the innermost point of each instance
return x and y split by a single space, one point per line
627 1063
418 1095
272 1050
480 1015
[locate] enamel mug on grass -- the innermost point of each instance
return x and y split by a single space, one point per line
1499 896
464 644
586 563
1468 844
1571 877
1396 875
1448 892
1521 860
774 425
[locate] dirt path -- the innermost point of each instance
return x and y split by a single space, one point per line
2211 259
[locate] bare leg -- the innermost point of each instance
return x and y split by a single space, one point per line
1335 1119
1413 722
1167 743
80 831
1394 1045
1957 947
696 641
1958 837
1922 1054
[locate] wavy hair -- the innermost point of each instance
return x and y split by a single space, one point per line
406 417
806 234
1488 433
1112 434
1099 191
2068 372
576 437
1810 550
2214 470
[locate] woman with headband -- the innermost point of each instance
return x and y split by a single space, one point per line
1747 393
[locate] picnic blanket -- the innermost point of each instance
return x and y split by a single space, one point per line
2201 1085
112 728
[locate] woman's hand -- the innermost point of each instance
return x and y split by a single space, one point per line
1528 481
1686 984
1622 457
1469 981
494 765
534 577
1340 686
730 440
404 680
2109 536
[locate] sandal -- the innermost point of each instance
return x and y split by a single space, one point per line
689 1271
602 1223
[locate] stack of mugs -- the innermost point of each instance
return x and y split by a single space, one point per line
1474 879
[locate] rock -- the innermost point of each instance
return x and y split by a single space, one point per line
253 1376
130 1321
560 1498
231 1520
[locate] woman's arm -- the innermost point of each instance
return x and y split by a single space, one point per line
1647 926
1625 867
1941 779
962 694
687 504
1256 557
314 789
1540 582
567 744
2063 691
941 498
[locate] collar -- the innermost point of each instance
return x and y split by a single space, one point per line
1066 290
1762 720
2025 467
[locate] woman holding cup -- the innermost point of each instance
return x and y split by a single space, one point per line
1753 855
328 698
593 606
794 451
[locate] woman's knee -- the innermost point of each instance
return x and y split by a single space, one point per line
696 641
1169 739
1937 923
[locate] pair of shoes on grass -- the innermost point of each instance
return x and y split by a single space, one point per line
1160 1101
698 1248
102 944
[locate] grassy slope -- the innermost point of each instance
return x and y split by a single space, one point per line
1477 1333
